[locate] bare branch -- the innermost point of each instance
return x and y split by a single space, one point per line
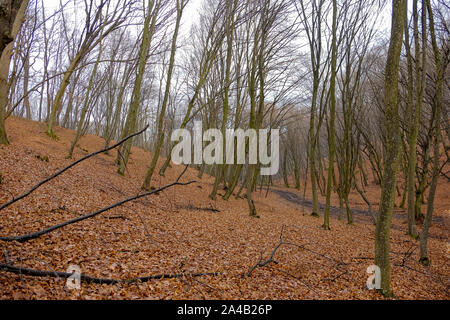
3 206
89 279
37 234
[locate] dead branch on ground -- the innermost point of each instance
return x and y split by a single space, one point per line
14 200
89 279
37 234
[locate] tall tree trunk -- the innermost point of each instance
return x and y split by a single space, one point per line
391 160
12 17
26 78
285 173
230 8
123 153
110 133
326 223
85 104
312 151
162 113
57 103
415 122
424 258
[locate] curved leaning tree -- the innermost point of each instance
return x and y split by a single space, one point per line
12 16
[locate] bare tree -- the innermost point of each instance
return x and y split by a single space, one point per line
180 5
391 156
12 16
99 16
437 111
151 17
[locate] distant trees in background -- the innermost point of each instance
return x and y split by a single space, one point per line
354 107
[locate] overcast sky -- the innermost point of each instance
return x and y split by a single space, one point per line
191 14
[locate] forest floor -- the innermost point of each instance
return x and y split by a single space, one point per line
181 230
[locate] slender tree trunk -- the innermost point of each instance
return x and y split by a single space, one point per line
187 116
296 173
86 104
285 174
234 181
162 113
230 32
26 78
110 133
312 152
415 122
57 103
424 258
123 153
326 223
391 162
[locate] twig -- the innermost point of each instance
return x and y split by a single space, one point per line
262 263
118 217
337 277
14 200
408 254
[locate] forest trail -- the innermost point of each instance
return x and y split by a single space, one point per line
360 216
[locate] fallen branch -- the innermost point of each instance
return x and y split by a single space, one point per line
262 263
89 279
408 254
37 234
14 200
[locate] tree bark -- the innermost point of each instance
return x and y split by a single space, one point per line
326 223
12 16
424 258
162 113
130 124
391 160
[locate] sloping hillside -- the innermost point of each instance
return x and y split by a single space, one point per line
181 231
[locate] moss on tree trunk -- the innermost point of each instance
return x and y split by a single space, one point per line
391 159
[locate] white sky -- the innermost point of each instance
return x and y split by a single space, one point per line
189 16
191 13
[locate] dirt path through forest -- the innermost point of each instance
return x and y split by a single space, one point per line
359 215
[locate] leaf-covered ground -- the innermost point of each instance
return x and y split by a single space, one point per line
177 232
